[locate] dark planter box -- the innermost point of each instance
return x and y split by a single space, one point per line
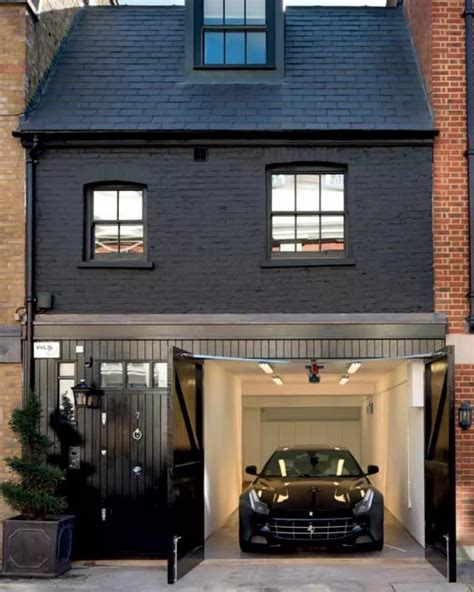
37 548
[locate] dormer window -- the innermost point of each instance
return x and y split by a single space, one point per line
235 34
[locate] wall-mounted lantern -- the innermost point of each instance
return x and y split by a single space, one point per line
465 415
86 396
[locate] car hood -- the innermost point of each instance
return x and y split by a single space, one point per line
310 494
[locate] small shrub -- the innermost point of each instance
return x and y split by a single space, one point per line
34 493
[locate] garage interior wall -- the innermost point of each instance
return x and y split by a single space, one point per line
335 417
394 440
222 445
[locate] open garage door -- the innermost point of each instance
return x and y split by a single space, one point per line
186 466
440 507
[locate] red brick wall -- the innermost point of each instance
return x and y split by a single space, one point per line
420 17
465 460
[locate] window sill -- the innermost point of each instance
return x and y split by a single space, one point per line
326 262
133 264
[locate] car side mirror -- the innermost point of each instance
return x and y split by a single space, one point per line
372 469
251 470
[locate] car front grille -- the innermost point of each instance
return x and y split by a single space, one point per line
321 529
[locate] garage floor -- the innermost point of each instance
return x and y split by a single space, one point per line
224 544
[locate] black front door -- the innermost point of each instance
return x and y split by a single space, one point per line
119 491
186 466
440 508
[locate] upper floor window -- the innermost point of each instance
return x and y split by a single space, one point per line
307 214
116 222
235 33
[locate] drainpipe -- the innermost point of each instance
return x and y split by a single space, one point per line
470 153
29 367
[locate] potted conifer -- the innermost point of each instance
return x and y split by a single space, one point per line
38 541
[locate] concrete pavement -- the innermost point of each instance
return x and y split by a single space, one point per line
263 575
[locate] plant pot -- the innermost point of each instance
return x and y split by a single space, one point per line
37 548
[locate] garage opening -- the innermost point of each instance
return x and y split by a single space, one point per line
377 414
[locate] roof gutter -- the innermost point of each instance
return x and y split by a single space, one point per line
470 153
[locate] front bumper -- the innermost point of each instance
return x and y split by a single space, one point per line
318 531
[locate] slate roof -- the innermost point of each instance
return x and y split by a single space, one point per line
345 68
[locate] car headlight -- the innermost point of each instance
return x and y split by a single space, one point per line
257 504
365 504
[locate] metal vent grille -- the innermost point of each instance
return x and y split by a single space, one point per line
311 530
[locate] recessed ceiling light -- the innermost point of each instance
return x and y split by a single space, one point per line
354 367
344 379
266 367
277 380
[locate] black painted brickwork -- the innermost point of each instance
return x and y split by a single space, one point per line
206 236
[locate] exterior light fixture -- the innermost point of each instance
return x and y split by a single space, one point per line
344 379
354 367
85 395
277 380
266 367
465 415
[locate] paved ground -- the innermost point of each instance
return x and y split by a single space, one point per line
300 575
399 568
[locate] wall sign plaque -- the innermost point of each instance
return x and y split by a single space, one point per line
47 349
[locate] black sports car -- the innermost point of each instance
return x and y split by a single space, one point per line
311 496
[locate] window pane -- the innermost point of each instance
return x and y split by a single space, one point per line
332 233
213 12
234 12
105 205
130 205
256 48
106 239
235 48
307 193
111 374
255 12
307 231
307 227
160 375
213 48
65 391
138 375
332 193
283 228
283 193
66 369
131 238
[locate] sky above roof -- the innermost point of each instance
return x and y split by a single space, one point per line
287 2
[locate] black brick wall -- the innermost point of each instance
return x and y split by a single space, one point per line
206 233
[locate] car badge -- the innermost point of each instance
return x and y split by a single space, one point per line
311 529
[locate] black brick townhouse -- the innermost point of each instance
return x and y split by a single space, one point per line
236 181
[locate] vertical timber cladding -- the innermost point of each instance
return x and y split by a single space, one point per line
105 490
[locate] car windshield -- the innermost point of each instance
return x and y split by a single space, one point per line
312 463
